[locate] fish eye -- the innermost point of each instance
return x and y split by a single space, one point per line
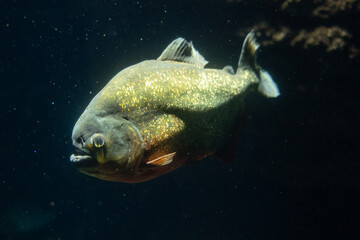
98 140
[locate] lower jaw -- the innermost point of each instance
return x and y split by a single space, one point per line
78 158
83 161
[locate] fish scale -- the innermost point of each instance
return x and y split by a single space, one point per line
179 86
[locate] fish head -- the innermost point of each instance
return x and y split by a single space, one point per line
107 146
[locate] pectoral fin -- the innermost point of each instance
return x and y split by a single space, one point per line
163 160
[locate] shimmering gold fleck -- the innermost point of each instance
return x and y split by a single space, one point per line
176 106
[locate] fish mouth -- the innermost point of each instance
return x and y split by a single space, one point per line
82 159
77 158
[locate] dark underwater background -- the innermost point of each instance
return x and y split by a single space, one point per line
296 172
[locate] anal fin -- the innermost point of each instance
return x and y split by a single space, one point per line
227 155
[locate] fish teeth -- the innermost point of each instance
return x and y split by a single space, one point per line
78 158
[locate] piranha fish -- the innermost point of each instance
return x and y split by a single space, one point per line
157 115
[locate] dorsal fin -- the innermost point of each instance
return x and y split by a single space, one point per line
248 53
181 50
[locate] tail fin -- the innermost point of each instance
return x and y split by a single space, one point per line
267 86
248 53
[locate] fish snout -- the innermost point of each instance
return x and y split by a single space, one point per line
80 152
78 141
